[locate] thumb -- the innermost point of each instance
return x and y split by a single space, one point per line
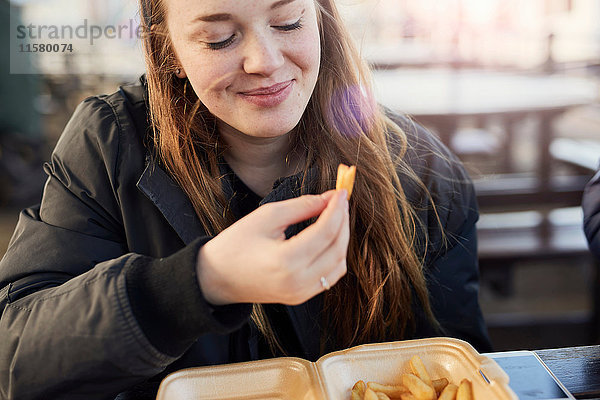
292 211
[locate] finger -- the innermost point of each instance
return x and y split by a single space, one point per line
331 263
315 239
288 212
331 271
315 285
333 277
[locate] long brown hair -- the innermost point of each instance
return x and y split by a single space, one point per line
342 123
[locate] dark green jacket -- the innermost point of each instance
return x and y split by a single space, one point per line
114 243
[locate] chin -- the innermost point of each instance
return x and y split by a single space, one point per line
270 128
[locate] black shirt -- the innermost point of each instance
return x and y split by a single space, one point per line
276 313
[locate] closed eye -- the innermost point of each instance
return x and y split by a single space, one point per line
290 27
222 44
285 28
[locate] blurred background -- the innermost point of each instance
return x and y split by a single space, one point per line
512 86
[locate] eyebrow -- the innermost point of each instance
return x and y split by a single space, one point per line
227 17
214 17
280 3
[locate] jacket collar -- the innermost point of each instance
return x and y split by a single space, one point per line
177 209
171 200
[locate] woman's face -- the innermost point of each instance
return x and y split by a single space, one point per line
253 63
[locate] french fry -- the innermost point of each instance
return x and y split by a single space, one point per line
449 393
407 396
370 394
391 391
345 178
342 168
439 385
382 396
414 386
465 390
358 390
419 370
417 387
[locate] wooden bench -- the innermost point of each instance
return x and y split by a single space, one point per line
519 236
521 223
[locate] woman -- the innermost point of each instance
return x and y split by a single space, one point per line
188 220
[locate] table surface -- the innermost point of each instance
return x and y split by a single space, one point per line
440 91
578 368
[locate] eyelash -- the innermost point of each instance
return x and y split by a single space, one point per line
291 27
284 28
221 45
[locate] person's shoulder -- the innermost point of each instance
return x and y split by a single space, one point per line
124 109
103 125
136 92
451 195
425 153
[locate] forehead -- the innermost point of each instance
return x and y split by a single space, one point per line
220 9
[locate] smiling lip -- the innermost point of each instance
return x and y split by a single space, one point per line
269 96
267 90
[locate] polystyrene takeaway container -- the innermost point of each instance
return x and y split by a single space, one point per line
334 374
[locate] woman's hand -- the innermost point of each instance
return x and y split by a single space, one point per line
251 262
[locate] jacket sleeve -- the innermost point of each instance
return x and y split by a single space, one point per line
67 325
591 213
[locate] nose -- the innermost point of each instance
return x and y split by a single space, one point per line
263 55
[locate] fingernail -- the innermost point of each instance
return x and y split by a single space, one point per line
343 196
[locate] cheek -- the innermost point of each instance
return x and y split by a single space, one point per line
307 55
205 72
210 78
308 52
